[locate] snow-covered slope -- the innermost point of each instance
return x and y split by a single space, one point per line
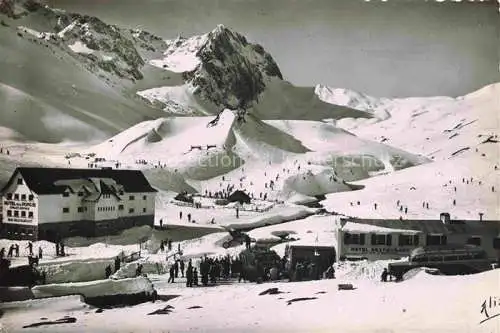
207 148
460 135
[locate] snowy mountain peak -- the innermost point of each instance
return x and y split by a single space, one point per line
223 67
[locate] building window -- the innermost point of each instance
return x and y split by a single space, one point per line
144 197
496 243
30 214
80 194
381 239
144 210
408 240
130 210
436 240
9 213
16 196
23 213
474 240
120 207
9 196
65 194
80 209
23 197
16 213
65 210
19 181
30 197
354 239
131 197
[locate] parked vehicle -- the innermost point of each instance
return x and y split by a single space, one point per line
449 260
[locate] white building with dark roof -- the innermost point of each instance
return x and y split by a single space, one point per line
53 203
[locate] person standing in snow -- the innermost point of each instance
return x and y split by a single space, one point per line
180 215
17 250
162 247
195 277
170 245
40 252
117 264
189 217
383 277
107 271
189 275
171 274
138 270
30 248
2 253
161 223
181 264
176 269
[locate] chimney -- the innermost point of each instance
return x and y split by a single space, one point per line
445 218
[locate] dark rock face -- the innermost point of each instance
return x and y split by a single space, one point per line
233 72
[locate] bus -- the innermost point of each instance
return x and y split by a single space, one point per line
448 260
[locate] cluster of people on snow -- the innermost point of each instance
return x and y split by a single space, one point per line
4 151
14 251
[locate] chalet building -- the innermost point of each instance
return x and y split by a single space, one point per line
376 239
53 203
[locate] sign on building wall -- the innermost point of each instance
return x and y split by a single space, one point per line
19 206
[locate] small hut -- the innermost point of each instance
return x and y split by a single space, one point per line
239 196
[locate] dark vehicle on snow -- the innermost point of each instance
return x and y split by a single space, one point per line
237 238
449 260
257 262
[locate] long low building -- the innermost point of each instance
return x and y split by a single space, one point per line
53 203
376 239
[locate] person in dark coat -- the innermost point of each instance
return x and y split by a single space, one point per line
2 253
162 246
176 268
17 250
181 263
117 264
170 245
11 251
138 270
40 252
57 249
30 248
171 274
62 250
195 277
384 275
107 271
248 241
189 275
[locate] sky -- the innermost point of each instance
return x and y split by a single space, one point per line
396 48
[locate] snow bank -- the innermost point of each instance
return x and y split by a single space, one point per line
76 271
95 288
149 266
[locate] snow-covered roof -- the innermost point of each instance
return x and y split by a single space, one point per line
367 228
